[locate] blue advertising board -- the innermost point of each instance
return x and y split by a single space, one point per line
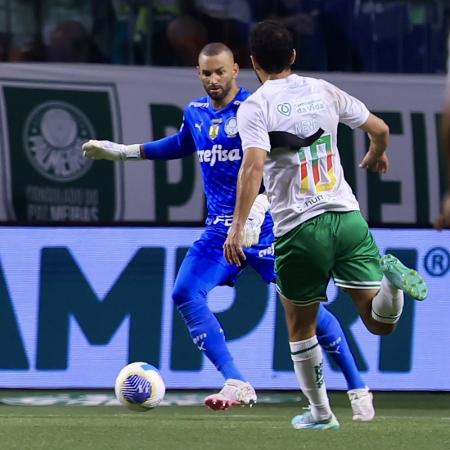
77 304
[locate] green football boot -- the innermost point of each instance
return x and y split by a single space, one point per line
404 278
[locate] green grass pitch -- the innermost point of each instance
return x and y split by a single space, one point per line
404 421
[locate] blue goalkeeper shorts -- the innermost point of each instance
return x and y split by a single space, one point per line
205 258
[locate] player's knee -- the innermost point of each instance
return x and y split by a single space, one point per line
325 321
183 294
380 329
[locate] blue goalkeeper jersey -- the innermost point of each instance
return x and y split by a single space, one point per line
213 135
219 151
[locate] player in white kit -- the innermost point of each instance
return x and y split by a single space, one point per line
288 129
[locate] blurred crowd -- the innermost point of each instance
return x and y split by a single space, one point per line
402 36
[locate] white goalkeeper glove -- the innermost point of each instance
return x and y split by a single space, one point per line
255 220
110 150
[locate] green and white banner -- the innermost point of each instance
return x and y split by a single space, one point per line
45 177
47 111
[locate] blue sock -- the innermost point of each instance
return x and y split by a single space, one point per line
333 341
208 336
195 279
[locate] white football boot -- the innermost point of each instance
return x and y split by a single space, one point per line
306 421
362 404
234 392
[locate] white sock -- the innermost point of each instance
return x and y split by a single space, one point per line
387 305
308 366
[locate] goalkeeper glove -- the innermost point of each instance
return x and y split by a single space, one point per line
110 150
255 220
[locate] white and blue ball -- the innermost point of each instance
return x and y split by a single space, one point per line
139 386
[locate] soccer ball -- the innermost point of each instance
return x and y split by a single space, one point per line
139 386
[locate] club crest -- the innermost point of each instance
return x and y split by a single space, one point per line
53 134
231 128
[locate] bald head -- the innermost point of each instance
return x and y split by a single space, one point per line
216 48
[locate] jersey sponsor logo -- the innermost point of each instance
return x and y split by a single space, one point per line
217 153
231 128
53 134
198 105
284 108
312 201
311 106
226 219
267 251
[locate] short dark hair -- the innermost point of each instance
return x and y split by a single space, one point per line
271 45
214 49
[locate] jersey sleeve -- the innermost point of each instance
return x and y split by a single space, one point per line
176 146
351 111
252 126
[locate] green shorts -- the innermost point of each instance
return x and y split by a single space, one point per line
333 244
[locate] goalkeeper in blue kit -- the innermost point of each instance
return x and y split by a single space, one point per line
209 128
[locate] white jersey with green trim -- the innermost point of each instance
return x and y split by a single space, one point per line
310 181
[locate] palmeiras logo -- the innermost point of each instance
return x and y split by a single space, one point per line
231 128
53 135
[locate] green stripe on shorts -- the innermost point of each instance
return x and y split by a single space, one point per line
357 284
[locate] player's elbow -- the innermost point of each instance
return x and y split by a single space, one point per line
377 129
